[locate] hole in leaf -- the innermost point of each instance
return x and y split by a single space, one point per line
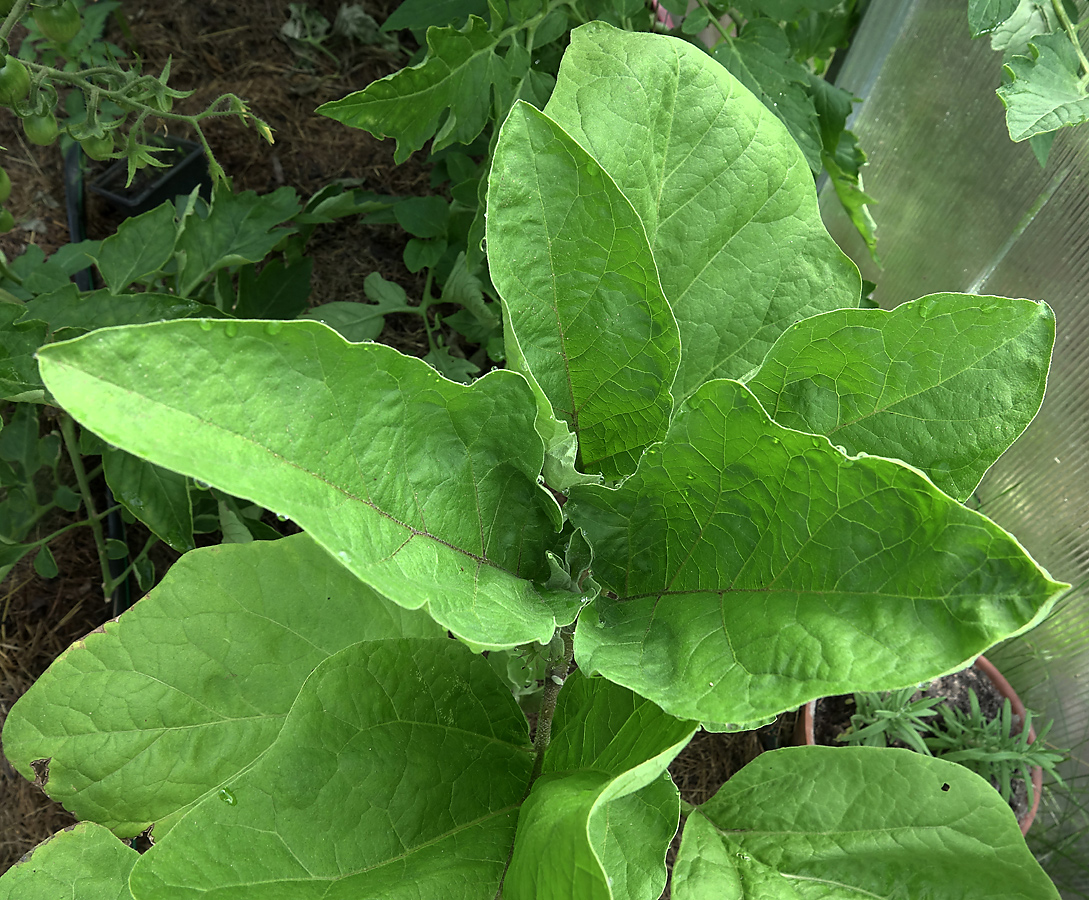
41 771
945 787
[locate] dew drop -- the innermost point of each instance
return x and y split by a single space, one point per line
926 306
231 330
227 797
273 328
281 518
690 477
203 485
205 324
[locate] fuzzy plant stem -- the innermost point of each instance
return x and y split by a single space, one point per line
553 682
71 444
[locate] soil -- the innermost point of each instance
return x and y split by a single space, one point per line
712 758
833 716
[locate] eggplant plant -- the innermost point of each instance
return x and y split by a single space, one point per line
706 476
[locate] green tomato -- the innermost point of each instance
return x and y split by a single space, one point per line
98 147
14 81
58 23
5 186
41 130
7 221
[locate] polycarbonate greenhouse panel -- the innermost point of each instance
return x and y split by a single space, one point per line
962 208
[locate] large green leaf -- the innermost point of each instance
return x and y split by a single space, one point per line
1045 90
809 822
569 256
448 93
599 820
426 489
725 197
945 383
748 568
84 862
398 774
141 719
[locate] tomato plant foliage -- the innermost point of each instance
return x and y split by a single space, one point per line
761 489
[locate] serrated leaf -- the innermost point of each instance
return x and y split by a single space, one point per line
356 322
68 308
1047 90
843 170
447 96
140 247
762 59
83 861
599 820
856 821
716 186
408 757
19 341
984 16
946 382
19 441
1029 19
208 665
423 254
568 254
755 568
422 217
239 229
425 489
157 497
422 14
279 292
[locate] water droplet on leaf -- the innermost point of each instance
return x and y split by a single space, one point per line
205 325
227 797
273 328
231 330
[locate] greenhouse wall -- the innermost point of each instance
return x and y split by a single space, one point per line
962 208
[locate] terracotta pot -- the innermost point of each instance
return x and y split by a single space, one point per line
803 732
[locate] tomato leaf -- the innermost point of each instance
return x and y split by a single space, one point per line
446 97
1046 90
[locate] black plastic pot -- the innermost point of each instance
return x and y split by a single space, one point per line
152 186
